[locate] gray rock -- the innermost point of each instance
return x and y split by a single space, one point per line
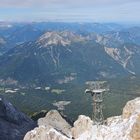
13 123
54 119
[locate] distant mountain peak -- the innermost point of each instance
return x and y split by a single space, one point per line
63 38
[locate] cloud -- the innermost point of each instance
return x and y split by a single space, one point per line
61 3
70 10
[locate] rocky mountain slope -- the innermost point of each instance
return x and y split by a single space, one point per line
56 55
63 38
124 127
13 123
61 54
127 56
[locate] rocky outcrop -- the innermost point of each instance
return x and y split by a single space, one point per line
55 120
44 133
52 127
132 107
135 131
82 125
13 123
124 127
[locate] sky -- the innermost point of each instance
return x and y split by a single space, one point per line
124 11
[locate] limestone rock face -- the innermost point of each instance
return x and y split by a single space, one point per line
44 133
124 127
132 107
82 125
54 119
64 38
135 132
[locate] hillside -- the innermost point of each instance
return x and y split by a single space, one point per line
56 55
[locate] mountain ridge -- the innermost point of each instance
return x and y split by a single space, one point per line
50 56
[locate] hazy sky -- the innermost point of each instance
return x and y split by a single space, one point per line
71 10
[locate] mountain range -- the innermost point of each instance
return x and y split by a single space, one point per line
50 54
